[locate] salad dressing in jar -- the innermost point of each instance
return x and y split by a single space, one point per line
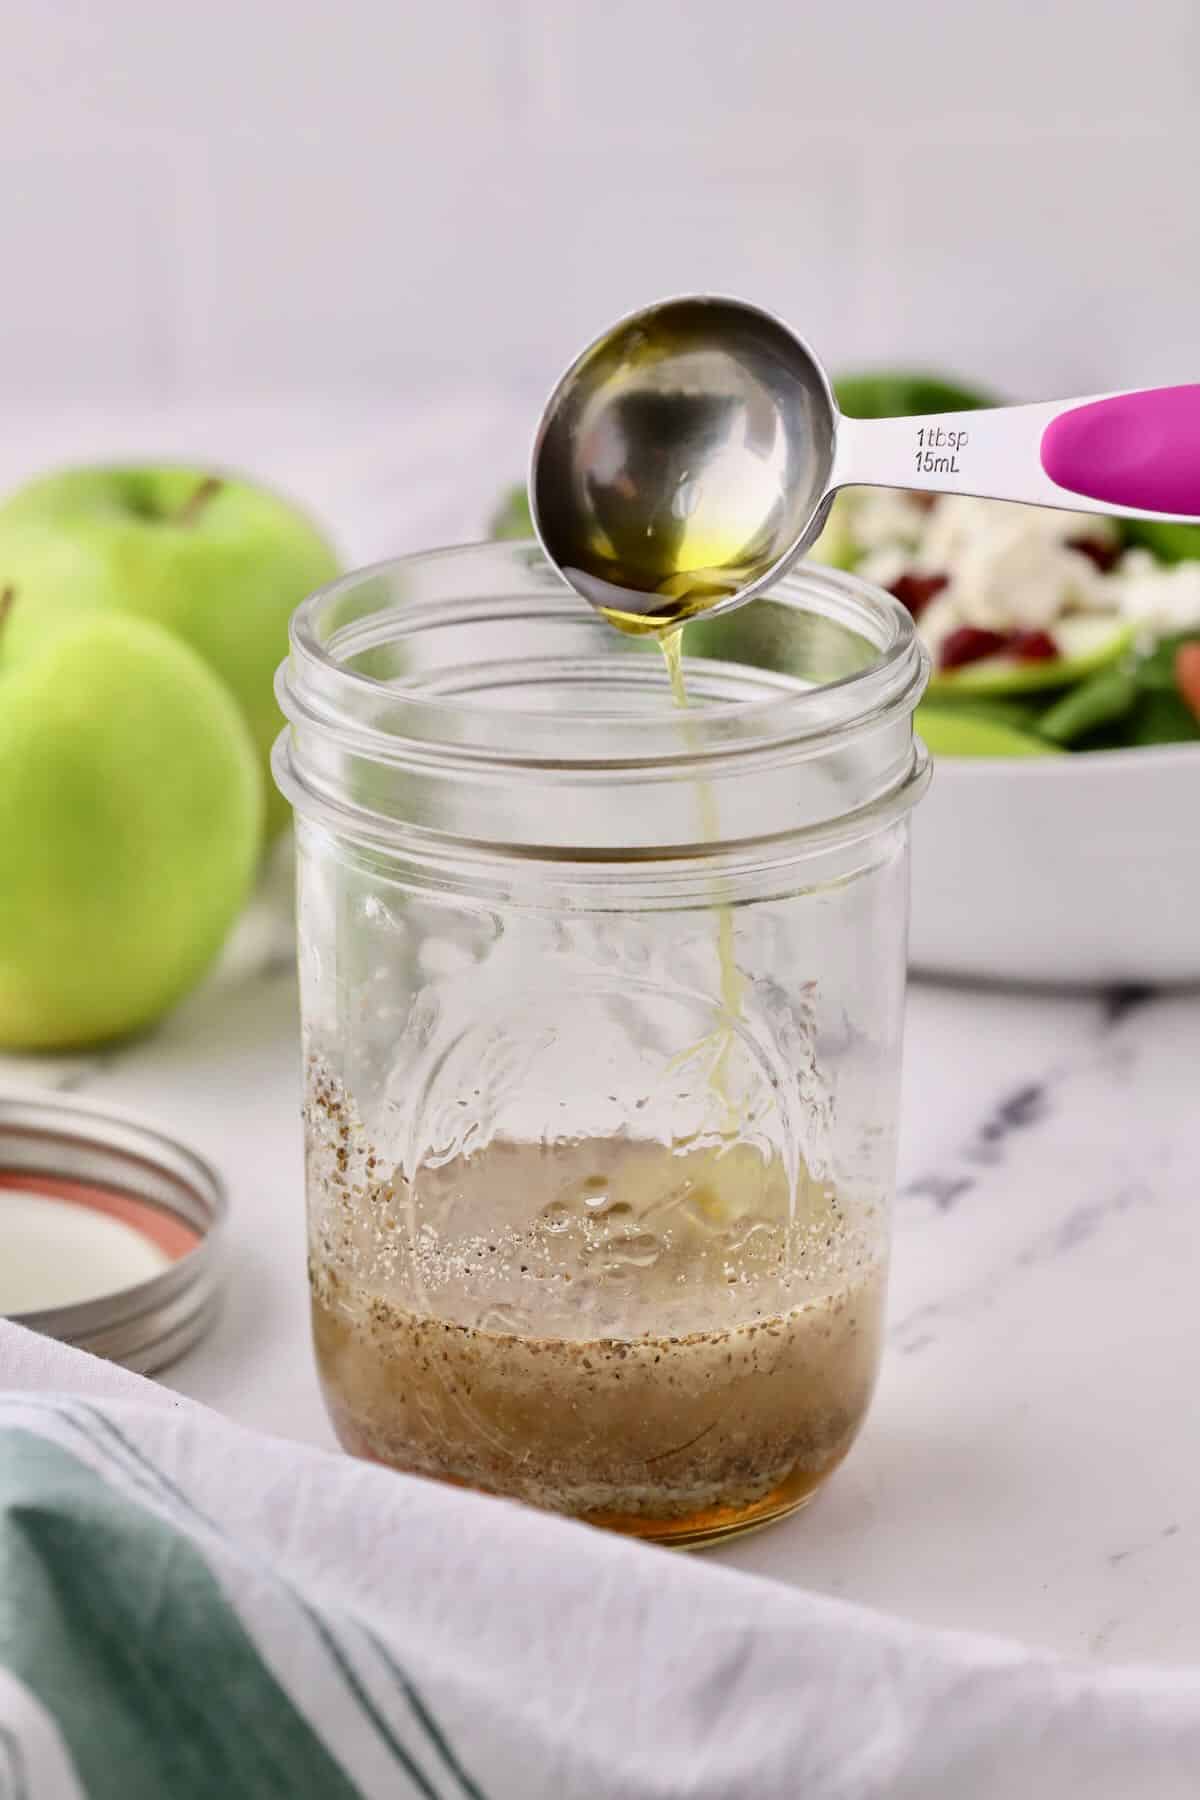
602 1008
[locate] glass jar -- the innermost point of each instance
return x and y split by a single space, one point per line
601 1006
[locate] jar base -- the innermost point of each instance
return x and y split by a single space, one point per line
718 1524
699 1530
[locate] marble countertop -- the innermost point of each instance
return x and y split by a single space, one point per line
1032 1462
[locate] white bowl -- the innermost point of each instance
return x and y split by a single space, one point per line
1075 869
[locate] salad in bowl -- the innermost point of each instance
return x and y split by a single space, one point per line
1060 840
1048 631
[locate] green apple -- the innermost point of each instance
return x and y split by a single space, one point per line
131 809
218 562
947 733
1087 643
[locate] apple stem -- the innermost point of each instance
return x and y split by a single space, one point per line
196 501
7 597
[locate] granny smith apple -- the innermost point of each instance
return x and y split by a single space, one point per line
131 811
217 561
947 733
1086 644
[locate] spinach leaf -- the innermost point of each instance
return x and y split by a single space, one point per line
1163 718
1102 700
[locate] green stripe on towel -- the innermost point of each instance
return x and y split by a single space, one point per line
115 1622
127 1459
134 1460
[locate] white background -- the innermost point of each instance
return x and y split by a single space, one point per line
248 199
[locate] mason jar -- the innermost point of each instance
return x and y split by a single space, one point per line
602 1009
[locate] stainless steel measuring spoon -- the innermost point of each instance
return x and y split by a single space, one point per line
690 455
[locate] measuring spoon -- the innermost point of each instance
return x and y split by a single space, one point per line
690 455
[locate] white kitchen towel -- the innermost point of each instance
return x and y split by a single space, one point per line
189 1611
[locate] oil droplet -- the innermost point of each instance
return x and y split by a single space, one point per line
641 1251
592 1191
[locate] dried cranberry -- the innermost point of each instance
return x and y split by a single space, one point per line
1033 646
916 591
968 644
1187 675
1103 555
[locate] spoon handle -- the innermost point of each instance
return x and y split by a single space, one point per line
1135 453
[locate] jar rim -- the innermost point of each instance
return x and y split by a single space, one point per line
781 713
467 636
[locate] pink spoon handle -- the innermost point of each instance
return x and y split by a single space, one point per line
1140 450
1128 453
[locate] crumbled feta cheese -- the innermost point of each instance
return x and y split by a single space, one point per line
964 518
885 518
886 565
1011 567
1016 568
1160 597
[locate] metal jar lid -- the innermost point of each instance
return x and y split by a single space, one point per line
78 1155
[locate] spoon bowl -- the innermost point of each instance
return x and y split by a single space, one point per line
683 461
